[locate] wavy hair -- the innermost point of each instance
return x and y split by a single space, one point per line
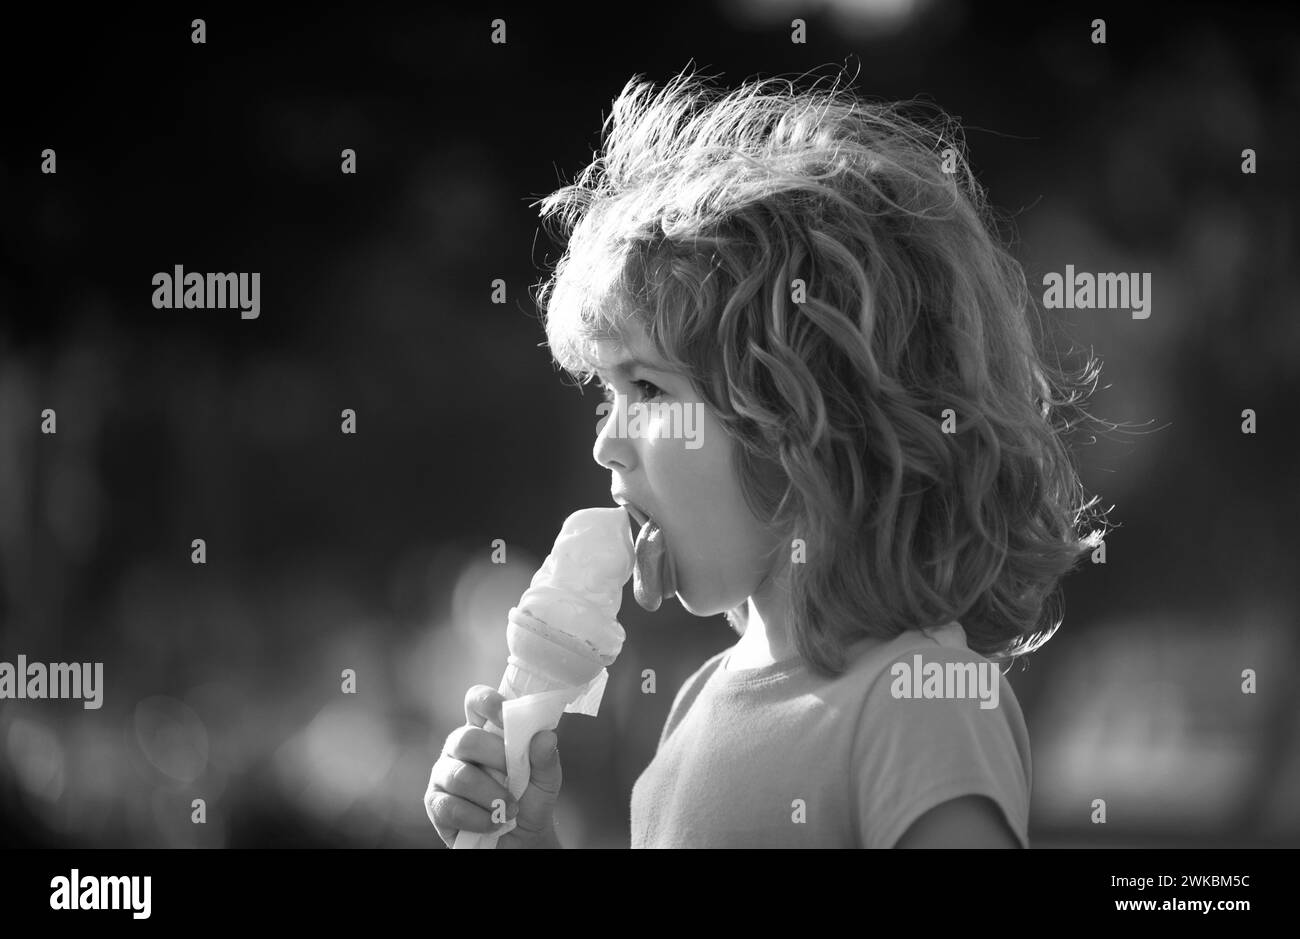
827 273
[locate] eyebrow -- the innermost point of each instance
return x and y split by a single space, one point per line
623 368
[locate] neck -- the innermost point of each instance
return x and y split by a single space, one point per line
767 635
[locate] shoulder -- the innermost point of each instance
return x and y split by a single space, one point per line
938 727
925 668
931 683
873 665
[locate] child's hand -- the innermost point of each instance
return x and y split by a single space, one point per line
471 772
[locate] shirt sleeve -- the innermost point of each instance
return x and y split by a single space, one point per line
914 753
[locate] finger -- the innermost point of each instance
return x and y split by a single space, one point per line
476 745
469 782
451 812
482 704
451 815
431 795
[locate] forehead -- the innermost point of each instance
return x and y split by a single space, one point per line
621 356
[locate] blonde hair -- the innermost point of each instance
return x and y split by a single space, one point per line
695 222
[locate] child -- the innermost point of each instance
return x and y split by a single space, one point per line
878 495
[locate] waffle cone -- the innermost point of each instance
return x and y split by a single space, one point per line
542 659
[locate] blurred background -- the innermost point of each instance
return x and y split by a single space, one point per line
373 552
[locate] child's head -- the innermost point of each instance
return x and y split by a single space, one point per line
824 275
718 548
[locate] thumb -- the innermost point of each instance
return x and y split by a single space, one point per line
537 804
544 756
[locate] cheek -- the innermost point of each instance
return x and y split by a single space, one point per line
705 509
721 546
721 566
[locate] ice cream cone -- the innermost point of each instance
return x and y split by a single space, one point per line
561 636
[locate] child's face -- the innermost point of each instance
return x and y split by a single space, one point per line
717 548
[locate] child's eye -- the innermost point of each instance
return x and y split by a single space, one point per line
649 390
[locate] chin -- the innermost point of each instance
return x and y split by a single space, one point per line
693 608
711 607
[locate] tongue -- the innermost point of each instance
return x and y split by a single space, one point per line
652 577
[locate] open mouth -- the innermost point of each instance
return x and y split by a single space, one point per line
653 578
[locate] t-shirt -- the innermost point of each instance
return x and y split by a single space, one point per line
778 756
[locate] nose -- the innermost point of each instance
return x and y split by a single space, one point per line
612 450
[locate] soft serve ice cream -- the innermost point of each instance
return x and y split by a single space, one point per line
565 629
